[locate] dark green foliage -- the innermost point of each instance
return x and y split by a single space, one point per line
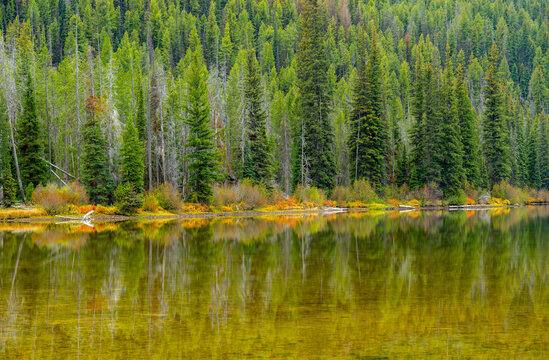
29 134
9 184
132 168
140 115
368 141
449 149
128 199
468 129
203 156
28 192
258 153
496 145
95 166
314 159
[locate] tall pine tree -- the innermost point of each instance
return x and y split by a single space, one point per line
95 162
131 155
203 156
368 137
450 151
31 149
258 156
496 147
468 129
314 159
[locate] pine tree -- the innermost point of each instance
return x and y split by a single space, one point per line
29 134
140 115
496 148
95 166
468 129
203 156
450 151
258 161
314 160
368 138
132 166
418 131
9 186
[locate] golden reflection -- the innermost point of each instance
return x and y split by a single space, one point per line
460 284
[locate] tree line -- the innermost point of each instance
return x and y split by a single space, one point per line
139 93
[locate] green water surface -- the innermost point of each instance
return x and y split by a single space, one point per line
468 285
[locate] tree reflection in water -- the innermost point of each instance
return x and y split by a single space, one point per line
466 284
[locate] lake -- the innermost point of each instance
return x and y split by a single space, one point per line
451 284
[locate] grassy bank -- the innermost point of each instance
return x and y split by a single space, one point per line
246 198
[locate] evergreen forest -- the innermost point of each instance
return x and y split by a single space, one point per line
285 94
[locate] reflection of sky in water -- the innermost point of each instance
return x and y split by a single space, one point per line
462 284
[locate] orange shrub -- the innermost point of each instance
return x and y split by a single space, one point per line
470 201
55 200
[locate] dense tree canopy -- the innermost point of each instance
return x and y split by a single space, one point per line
396 92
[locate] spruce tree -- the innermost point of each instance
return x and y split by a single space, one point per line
496 147
314 160
131 156
368 138
140 113
9 186
533 178
29 139
95 162
418 131
258 155
468 129
203 156
449 151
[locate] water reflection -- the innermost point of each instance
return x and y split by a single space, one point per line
456 284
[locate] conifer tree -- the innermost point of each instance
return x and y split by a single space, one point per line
9 186
95 165
31 149
496 147
468 129
203 156
258 155
314 160
132 166
141 115
418 131
533 178
368 136
450 151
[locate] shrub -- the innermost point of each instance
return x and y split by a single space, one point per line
150 203
128 200
252 196
28 192
245 195
364 192
458 199
471 192
309 194
55 200
168 197
504 190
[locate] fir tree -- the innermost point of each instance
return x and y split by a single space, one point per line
132 166
468 129
31 150
203 156
140 114
368 138
314 160
9 186
258 161
418 131
450 152
95 165
496 147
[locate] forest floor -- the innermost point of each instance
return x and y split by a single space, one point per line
35 214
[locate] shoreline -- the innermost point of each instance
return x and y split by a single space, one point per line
257 213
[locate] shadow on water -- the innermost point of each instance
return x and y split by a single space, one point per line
347 286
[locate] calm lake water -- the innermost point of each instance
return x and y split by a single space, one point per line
347 286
